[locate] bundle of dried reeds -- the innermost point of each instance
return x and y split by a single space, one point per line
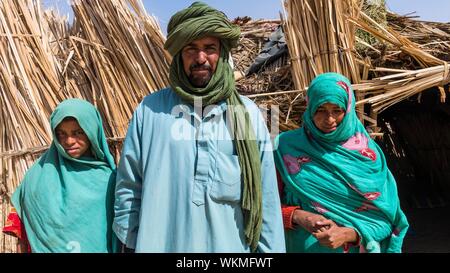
384 90
388 90
389 35
433 38
27 76
306 17
120 54
320 39
112 56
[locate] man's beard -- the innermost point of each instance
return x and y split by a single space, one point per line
199 81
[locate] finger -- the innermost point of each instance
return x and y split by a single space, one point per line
326 222
320 235
315 229
323 242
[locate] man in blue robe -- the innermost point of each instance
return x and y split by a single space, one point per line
196 172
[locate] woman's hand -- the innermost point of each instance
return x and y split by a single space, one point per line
312 222
336 236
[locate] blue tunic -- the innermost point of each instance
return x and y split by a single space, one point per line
179 181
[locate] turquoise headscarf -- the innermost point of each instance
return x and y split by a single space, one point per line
342 175
66 204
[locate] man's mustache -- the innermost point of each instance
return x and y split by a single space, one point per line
197 66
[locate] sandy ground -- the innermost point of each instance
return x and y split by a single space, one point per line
429 231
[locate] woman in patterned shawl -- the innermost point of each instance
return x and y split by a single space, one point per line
341 195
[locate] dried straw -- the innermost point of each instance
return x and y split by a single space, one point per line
111 56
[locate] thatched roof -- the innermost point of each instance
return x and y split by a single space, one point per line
388 57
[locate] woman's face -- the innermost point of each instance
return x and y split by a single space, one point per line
72 138
328 117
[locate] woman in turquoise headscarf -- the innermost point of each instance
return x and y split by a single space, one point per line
339 192
65 201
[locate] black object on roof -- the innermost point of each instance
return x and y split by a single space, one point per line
272 50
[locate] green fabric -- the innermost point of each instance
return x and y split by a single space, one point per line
195 22
329 174
66 204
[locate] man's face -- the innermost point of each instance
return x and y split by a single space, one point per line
200 59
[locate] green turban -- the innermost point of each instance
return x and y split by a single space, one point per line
197 21
193 23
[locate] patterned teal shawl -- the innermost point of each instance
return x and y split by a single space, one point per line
66 203
342 175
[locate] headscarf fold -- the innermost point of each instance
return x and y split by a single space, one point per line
196 22
343 174
66 203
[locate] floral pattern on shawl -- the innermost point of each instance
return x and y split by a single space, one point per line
293 164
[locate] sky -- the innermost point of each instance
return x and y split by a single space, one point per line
257 9
428 10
